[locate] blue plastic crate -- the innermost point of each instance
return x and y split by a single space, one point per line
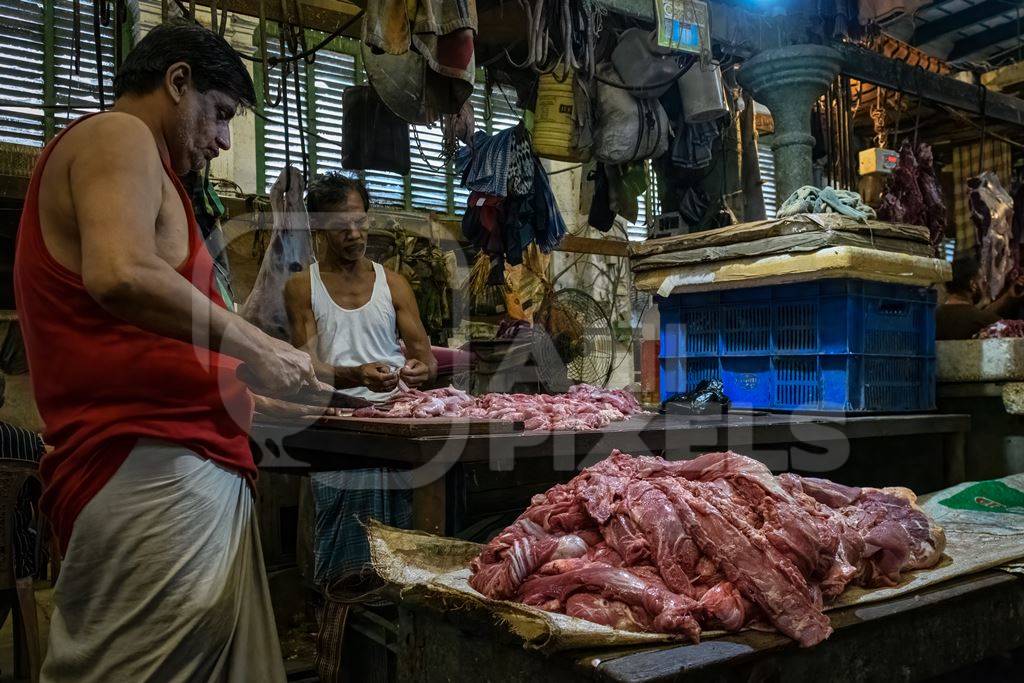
833 345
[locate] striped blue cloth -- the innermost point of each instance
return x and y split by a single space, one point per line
344 501
484 164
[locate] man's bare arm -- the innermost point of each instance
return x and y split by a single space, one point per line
116 188
410 325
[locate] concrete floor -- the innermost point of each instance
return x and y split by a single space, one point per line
298 641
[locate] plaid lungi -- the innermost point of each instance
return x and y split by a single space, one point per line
344 501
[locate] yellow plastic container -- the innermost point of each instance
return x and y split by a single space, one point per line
553 121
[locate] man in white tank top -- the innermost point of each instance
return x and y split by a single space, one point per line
350 313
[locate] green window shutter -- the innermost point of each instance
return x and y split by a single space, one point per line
275 153
649 207
428 173
21 72
766 162
78 94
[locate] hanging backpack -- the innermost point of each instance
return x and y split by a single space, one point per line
628 128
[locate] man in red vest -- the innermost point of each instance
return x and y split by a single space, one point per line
133 359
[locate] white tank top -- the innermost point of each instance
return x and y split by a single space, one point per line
353 337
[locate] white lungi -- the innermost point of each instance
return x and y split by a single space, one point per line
163 579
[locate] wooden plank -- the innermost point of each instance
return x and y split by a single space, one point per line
970 390
761 230
429 507
319 15
589 245
1005 77
639 435
785 244
412 428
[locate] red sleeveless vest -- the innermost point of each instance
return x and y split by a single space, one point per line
101 383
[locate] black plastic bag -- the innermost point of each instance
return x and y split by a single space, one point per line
707 398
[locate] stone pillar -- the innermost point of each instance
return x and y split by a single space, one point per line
788 81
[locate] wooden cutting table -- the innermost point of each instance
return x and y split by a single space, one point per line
462 477
914 637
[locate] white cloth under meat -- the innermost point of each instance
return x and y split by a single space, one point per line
163 579
353 337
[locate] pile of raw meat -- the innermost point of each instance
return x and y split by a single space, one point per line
582 408
1004 329
913 194
643 544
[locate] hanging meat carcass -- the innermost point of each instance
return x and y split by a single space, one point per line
992 213
290 251
912 194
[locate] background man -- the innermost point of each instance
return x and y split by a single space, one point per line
352 314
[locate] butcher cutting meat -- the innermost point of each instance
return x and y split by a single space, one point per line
718 542
148 485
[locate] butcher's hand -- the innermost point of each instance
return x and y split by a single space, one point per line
378 377
279 370
277 408
415 373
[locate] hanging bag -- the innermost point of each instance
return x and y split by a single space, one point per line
628 128
372 137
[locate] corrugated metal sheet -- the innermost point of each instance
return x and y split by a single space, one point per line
21 72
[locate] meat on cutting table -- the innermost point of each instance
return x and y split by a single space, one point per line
1003 329
718 542
581 408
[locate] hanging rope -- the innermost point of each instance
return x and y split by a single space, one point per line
76 28
287 136
268 101
298 117
99 53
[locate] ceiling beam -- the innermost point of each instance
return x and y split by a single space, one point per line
979 42
1005 77
319 15
951 23
871 67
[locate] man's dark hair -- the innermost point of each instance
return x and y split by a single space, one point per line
215 65
965 271
332 188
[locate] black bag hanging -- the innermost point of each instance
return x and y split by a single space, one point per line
372 137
